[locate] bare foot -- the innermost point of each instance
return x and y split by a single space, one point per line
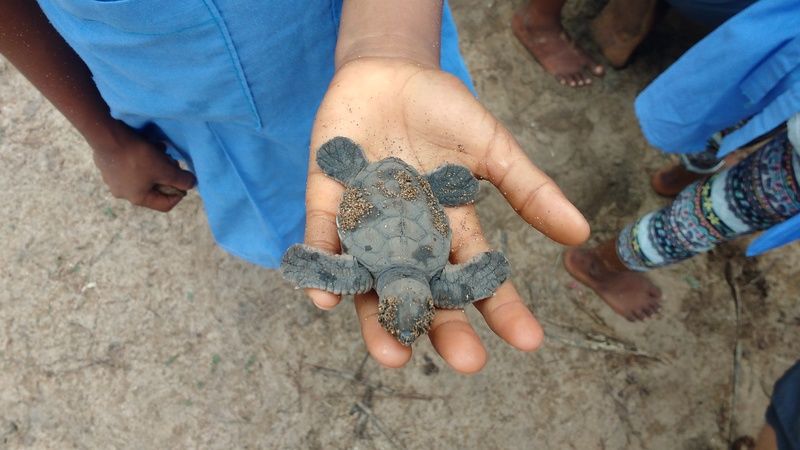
621 27
555 51
630 294
669 181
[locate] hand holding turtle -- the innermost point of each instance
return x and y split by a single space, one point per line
427 118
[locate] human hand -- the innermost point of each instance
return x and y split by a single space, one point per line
141 172
395 107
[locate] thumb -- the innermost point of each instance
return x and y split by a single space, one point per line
183 180
171 174
159 201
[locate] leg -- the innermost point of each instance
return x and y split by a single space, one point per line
622 26
341 159
725 206
453 185
670 180
461 284
538 27
766 439
308 267
710 12
782 430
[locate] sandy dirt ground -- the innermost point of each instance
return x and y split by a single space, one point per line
124 328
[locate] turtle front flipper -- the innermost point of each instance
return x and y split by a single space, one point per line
309 267
341 159
461 284
453 185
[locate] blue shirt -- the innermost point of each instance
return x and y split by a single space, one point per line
232 87
749 67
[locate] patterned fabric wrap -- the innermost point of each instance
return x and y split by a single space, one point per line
755 194
707 161
704 163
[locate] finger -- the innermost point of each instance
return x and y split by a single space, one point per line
170 174
489 150
492 153
322 199
509 317
505 312
531 193
179 178
169 190
157 201
380 344
456 341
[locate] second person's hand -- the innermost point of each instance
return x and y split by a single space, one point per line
140 171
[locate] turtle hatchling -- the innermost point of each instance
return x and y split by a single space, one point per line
395 239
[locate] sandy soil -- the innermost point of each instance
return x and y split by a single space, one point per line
124 328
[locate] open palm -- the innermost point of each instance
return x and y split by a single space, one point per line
393 107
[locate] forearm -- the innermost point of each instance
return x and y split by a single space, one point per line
31 44
409 29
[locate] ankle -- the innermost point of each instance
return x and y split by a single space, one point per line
606 253
535 19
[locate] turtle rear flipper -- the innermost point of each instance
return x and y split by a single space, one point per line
341 159
453 185
309 267
461 284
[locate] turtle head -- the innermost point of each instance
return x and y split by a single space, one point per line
406 309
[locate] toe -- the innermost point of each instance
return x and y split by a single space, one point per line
583 79
570 81
587 79
598 70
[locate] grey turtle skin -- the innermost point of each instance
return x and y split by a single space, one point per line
395 239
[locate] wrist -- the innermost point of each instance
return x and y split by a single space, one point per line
389 46
106 136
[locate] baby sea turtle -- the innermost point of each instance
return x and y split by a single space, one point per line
395 239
